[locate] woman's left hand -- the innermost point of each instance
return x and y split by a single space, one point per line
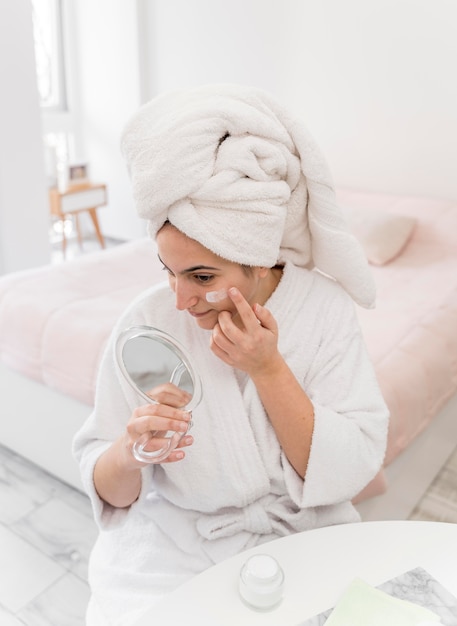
253 347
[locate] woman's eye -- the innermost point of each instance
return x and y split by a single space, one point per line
203 278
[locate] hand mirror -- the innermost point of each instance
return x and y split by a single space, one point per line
150 358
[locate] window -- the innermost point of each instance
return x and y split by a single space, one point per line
49 54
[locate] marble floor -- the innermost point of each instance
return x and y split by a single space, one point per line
46 534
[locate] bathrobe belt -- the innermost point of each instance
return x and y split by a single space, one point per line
270 514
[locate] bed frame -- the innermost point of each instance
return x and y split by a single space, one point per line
31 427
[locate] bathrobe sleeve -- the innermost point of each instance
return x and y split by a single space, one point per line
351 418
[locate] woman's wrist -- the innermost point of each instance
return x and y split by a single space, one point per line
116 478
269 371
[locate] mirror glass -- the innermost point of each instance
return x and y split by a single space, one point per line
149 360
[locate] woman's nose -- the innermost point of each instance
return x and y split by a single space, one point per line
185 296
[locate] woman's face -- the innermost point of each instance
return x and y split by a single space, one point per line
193 271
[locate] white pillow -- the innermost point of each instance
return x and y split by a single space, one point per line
383 235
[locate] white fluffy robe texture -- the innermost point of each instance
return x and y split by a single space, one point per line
237 172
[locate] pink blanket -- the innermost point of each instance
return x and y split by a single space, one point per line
55 321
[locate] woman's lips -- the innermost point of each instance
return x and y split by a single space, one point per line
199 314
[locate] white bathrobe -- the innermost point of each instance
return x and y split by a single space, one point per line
235 488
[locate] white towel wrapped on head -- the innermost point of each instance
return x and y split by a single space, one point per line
237 172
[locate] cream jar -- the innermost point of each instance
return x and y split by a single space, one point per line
261 583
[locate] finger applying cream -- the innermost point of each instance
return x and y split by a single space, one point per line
216 296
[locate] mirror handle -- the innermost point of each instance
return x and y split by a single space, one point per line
156 456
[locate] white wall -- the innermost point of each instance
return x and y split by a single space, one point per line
24 212
374 80
107 85
227 41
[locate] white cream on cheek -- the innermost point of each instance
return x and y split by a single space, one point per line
216 296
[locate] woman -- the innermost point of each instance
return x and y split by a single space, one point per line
292 424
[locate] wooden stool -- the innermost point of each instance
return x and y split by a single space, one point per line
74 200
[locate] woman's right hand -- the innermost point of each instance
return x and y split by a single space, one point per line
152 422
117 474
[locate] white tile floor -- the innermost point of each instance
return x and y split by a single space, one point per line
46 534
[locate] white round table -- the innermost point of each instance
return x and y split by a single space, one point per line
318 566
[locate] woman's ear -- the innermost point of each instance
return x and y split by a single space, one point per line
263 272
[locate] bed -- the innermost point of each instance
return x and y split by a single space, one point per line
56 320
